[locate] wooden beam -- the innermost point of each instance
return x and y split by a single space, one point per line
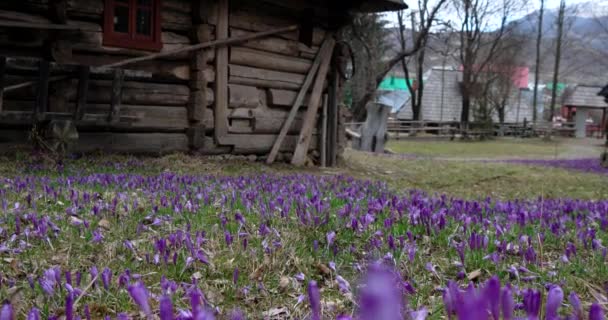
219 42
221 72
41 26
42 93
299 155
321 56
83 89
2 73
58 11
31 83
116 98
333 115
323 155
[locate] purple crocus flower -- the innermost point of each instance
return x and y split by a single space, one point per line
596 312
314 298
139 294
576 306
532 301
235 275
492 293
69 306
7 312
331 236
507 303
34 314
237 315
166 308
106 277
554 301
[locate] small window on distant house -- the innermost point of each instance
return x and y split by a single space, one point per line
133 24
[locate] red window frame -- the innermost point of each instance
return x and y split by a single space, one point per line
131 39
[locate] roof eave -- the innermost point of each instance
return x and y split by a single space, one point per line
381 6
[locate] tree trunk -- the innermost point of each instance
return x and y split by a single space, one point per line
558 54
537 67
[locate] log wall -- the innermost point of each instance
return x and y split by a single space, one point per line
170 100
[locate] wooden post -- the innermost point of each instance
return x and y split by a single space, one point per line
332 117
324 132
83 89
603 125
298 101
2 71
221 72
116 98
42 93
299 155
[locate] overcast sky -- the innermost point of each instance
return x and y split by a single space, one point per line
532 6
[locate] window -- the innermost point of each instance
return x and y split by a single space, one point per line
133 24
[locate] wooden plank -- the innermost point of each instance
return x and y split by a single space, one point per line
299 156
221 72
333 121
147 117
116 95
323 155
244 96
321 57
41 26
132 143
266 76
267 60
83 89
42 92
284 98
2 74
222 40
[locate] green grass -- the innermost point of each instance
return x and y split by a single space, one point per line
477 179
498 148
472 180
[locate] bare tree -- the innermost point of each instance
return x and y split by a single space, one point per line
359 104
539 38
416 90
558 52
478 44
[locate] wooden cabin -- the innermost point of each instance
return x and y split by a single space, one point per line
157 76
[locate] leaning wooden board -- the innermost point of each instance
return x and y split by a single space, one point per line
299 155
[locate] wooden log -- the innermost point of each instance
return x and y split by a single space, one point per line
91 40
245 96
323 155
116 98
254 19
148 117
265 78
143 93
270 61
284 98
2 76
132 143
270 44
83 89
162 69
42 93
299 156
333 119
320 59
261 144
58 11
262 120
220 112
225 41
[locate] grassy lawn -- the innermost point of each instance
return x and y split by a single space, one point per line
249 236
498 148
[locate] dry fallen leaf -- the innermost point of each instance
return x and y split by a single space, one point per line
284 283
104 223
474 275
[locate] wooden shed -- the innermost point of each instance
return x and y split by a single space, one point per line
580 102
157 76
